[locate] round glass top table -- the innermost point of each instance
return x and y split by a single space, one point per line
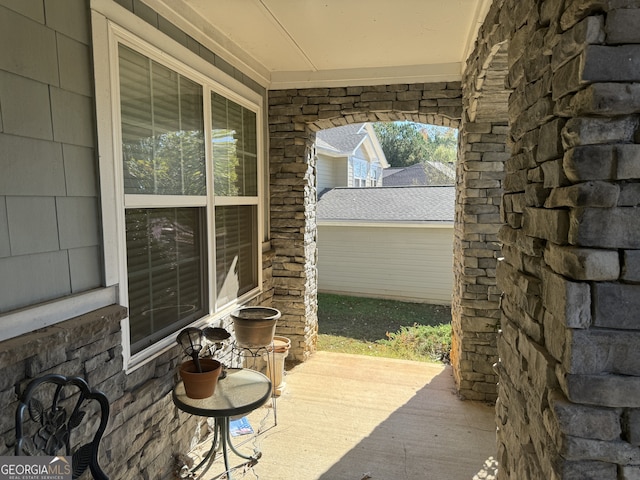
240 391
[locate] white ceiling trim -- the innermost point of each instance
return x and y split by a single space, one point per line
189 19
184 17
286 34
444 72
478 20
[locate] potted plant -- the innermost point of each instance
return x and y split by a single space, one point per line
255 326
200 374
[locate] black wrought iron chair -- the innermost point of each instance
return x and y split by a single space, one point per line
47 428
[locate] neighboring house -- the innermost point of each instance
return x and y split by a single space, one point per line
349 156
389 242
422 173
361 229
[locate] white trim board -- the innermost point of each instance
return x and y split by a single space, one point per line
49 313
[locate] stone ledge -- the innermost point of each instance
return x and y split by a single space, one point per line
99 323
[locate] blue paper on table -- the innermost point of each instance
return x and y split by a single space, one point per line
241 426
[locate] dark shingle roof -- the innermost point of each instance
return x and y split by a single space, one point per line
427 173
388 204
341 139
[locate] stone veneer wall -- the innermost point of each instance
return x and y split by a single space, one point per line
569 369
294 117
146 433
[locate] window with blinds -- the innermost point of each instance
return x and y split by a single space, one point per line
166 271
162 129
168 204
236 252
235 149
235 170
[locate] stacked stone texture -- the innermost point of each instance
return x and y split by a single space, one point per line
146 435
294 117
476 298
569 374
480 174
90 346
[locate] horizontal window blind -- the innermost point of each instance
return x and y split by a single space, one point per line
236 251
164 167
162 129
166 265
235 152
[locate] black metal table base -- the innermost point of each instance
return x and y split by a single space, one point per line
221 443
240 392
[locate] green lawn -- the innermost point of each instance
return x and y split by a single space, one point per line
384 328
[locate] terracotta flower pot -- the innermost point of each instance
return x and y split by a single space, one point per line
200 384
281 347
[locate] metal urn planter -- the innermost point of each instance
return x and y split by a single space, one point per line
255 326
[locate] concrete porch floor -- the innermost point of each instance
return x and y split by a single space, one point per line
351 417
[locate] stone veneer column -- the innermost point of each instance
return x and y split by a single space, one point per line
293 232
569 370
483 151
476 298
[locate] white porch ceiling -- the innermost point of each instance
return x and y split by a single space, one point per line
311 43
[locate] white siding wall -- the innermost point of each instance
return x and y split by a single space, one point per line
342 172
349 173
332 172
325 178
405 263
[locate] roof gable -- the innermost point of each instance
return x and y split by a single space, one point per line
348 139
344 140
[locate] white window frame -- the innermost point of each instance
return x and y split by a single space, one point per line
111 26
374 173
359 180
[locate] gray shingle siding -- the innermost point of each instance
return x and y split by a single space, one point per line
49 226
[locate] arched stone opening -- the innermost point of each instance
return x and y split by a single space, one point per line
294 117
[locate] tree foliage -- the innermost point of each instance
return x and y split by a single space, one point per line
402 143
442 143
407 143
171 163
